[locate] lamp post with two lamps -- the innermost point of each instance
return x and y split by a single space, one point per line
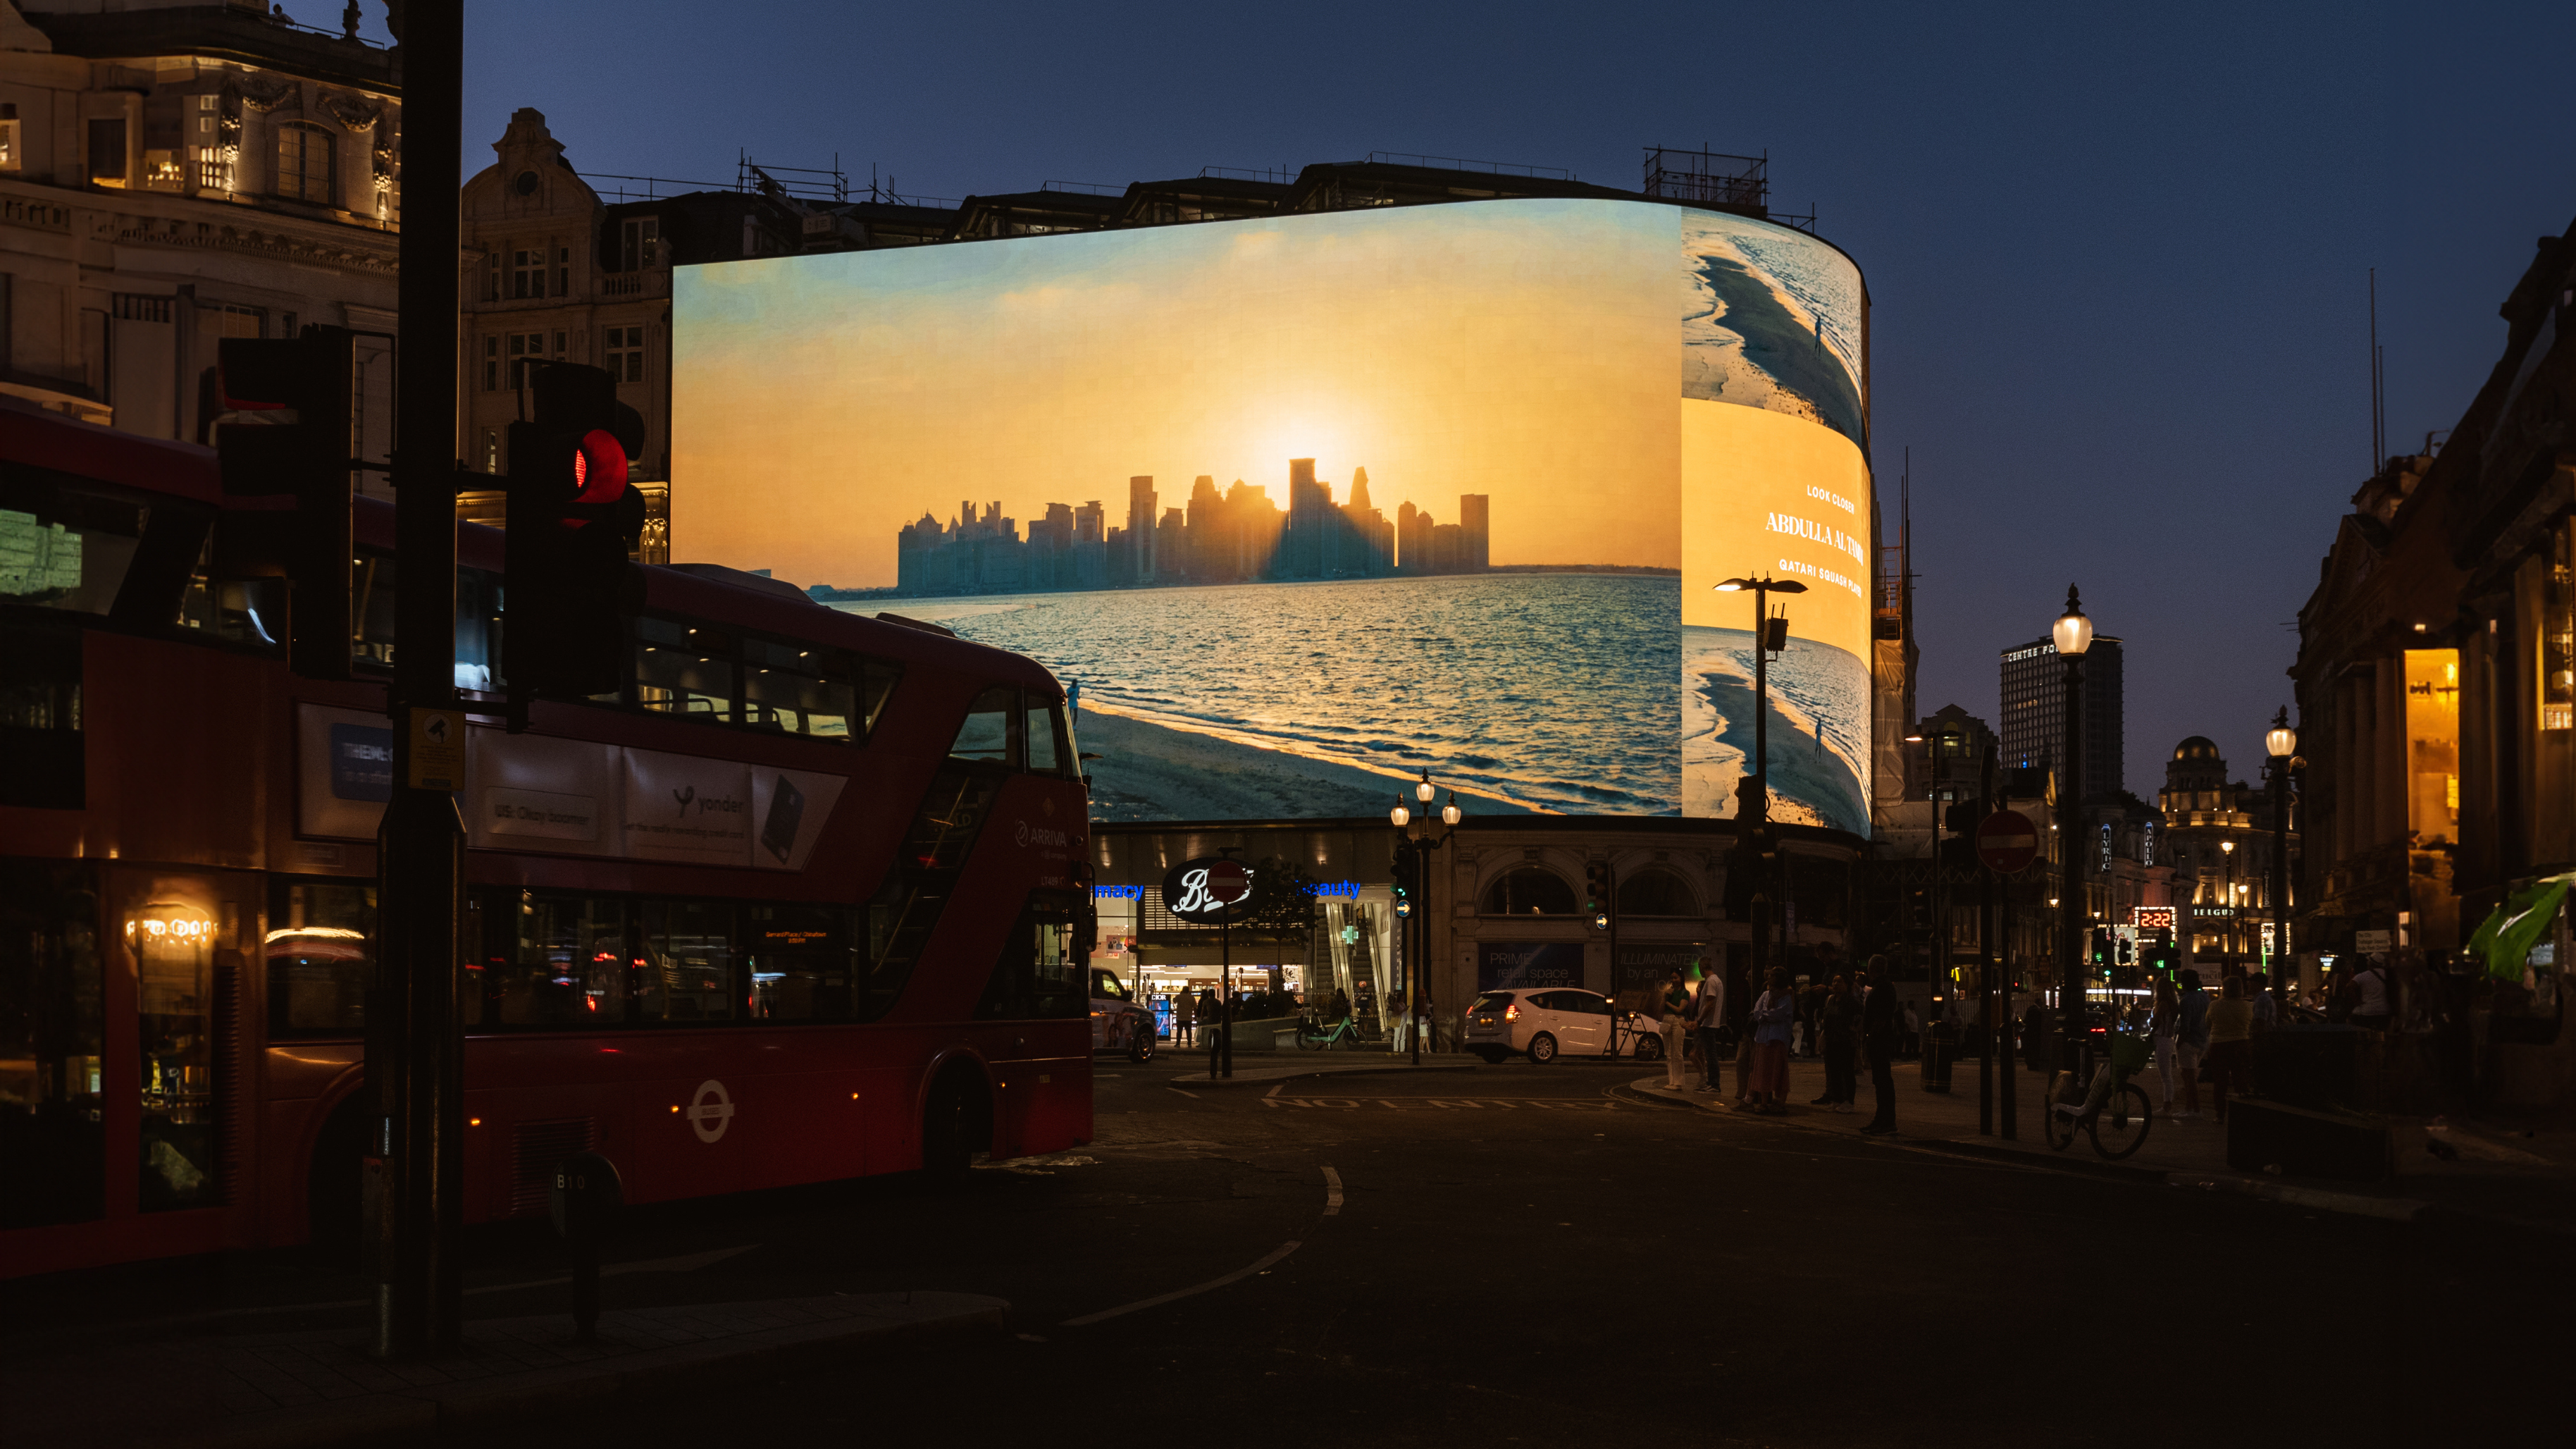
1413 863
2073 634
2281 748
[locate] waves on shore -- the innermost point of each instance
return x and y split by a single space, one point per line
1818 731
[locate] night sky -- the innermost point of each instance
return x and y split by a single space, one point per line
2118 262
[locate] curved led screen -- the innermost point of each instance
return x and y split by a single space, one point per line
1306 505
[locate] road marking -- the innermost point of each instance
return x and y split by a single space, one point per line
1274 1090
1193 1096
1332 1206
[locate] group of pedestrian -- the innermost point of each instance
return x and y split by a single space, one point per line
1853 1016
2196 1039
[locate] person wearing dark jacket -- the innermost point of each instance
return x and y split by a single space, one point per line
1838 1021
1879 1028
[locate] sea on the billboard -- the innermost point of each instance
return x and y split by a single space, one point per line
1307 505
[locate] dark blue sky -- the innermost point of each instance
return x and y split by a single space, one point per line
2117 260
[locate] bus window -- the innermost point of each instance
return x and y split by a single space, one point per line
42 761
804 961
688 960
478 609
53 1145
1046 746
170 941
560 963
320 958
371 611
990 723
478 622
1040 973
684 670
64 548
797 691
876 685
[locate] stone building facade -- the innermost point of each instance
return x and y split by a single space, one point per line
174 175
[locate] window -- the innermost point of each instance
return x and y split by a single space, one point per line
43 764
11 158
492 275
563 276
171 939
1045 735
527 273
684 670
1529 891
107 153
553 961
524 347
321 957
688 962
244 321
304 163
1039 974
797 691
624 353
639 243
52 1046
1655 891
804 961
64 548
1492 1002
986 736
2558 633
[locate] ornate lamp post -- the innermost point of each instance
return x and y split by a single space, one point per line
2227 898
2073 634
1413 862
2281 744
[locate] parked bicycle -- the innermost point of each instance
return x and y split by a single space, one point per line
2104 1104
1345 1032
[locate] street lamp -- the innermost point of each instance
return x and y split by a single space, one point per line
2073 634
2227 895
1753 812
2281 743
1413 862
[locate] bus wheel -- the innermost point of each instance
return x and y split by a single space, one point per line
957 1124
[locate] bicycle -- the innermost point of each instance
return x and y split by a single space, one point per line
2110 1108
1343 1032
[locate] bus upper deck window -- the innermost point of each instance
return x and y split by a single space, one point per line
987 735
684 670
63 548
797 689
1046 750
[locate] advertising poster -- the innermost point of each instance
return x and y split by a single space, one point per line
1306 505
1531 965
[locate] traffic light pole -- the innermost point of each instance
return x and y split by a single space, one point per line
415 1057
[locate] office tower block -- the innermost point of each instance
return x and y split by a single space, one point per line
2033 716
1475 523
1141 517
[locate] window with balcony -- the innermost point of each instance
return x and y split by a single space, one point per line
107 153
304 163
11 159
639 243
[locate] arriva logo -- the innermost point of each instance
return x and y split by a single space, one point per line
1028 835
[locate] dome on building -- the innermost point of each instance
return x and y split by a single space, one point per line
2198 747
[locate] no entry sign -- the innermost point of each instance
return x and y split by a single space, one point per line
1207 890
2007 842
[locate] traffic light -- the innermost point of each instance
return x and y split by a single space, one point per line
2100 954
304 456
572 519
1403 897
1596 890
1775 633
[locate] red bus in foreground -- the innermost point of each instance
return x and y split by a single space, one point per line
806 899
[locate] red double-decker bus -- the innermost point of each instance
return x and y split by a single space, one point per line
805 899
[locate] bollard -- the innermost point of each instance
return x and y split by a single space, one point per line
584 1202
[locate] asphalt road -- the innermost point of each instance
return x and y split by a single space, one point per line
1511 1254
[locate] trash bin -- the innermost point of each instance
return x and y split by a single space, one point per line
1940 1050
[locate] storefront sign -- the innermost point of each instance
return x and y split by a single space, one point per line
1644 967
1208 891
1518 965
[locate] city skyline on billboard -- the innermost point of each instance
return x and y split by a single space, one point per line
1307 503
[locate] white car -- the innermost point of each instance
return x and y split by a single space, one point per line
1558 1021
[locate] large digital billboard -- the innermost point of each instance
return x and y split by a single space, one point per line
1305 505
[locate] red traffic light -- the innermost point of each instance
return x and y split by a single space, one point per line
598 471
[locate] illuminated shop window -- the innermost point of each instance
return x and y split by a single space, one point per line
2558 637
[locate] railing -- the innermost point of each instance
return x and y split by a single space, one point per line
635 284
1453 163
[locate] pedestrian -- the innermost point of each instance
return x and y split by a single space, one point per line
2369 988
2231 1046
1073 700
1185 1010
1708 1017
1340 1010
2160 1034
2258 995
1838 1023
1879 1028
1676 1004
2191 1037
1772 1014
1912 1025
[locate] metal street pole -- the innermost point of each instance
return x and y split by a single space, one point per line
415 1059
1986 956
2074 634
1757 816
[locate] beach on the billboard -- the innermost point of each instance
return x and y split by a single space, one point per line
1308 504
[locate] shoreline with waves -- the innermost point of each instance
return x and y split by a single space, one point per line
1140 770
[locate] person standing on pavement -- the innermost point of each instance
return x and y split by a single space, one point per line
2191 1037
1708 1018
1185 1010
2160 1033
1879 1028
1773 1012
2370 998
1676 1004
2258 995
2231 1047
1838 1020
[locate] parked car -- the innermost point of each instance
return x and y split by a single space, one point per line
1119 1022
1561 1021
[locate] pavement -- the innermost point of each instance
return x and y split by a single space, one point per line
2495 1173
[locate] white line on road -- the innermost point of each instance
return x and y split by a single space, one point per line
1332 1205
1193 1096
1274 1091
